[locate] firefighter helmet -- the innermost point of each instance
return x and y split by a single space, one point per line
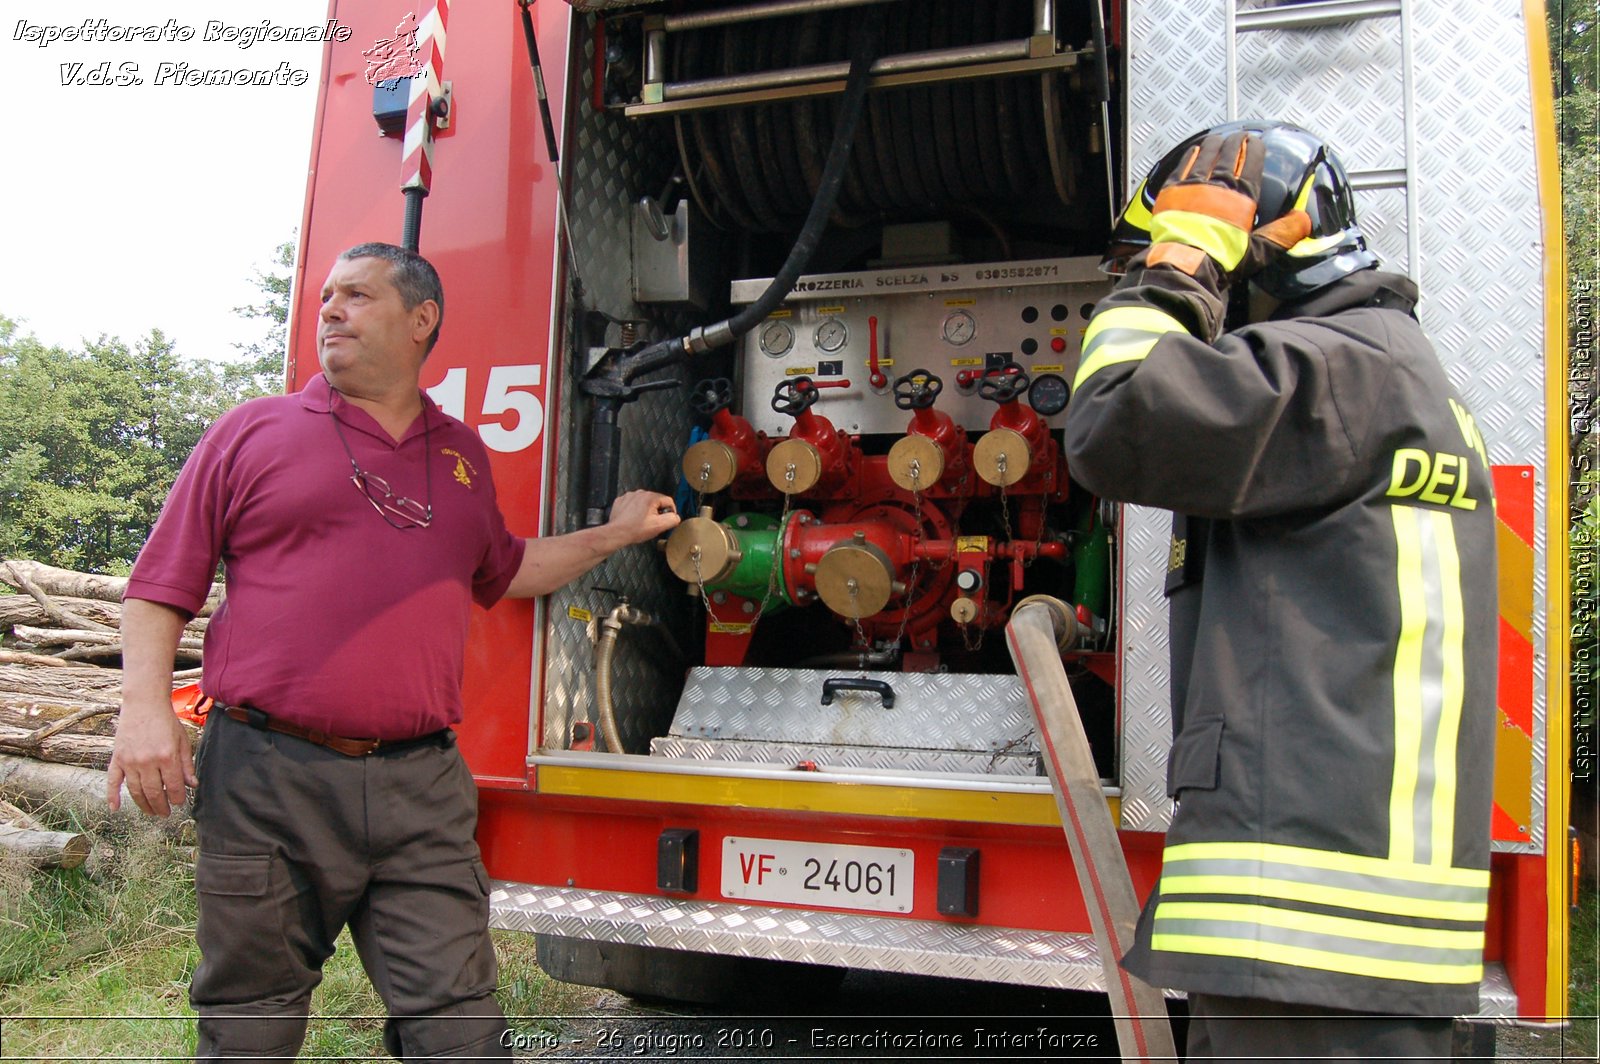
1301 172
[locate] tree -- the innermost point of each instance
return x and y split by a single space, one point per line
91 440
262 371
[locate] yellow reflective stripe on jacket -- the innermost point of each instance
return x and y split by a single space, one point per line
1239 899
1429 687
1122 334
1316 894
1291 873
1318 924
1323 960
1474 880
1223 242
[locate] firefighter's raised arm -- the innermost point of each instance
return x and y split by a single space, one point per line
1168 411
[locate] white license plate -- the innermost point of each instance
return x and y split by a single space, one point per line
872 878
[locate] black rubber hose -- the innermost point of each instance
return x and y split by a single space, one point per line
1102 65
411 229
855 92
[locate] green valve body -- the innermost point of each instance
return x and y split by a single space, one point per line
759 538
1091 565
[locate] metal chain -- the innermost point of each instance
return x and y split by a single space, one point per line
700 582
1005 509
855 618
916 550
777 558
1038 538
700 492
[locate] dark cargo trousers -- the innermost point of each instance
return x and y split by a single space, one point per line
1251 1030
296 842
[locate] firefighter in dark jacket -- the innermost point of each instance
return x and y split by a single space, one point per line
1332 589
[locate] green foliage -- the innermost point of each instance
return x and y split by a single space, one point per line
263 367
91 440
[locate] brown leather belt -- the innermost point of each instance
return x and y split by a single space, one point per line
337 743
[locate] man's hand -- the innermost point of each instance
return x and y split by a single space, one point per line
152 748
1207 208
640 515
152 754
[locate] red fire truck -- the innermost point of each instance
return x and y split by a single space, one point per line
793 735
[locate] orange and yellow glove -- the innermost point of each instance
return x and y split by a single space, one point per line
1207 207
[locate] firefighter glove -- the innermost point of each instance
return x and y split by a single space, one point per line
1207 208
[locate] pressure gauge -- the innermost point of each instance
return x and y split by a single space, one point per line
959 328
831 335
1048 394
776 338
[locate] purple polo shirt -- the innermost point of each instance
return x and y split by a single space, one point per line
333 619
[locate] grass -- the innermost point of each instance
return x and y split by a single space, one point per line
1583 986
95 963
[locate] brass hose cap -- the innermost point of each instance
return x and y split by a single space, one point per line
1002 457
794 466
915 463
710 466
702 551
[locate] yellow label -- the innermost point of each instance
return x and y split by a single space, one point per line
961 302
784 313
1052 368
882 362
966 361
972 544
727 628
1061 330
578 613
830 310
800 371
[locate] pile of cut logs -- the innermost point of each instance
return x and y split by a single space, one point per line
60 686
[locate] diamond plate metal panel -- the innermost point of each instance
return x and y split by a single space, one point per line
607 164
1344 82
1176 76
983 713
1146 708
875 943
1482 259
916 947
791 755
1480 246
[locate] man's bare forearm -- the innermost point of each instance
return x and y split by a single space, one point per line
555 561
150 635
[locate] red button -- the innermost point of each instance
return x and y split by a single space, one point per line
1058 344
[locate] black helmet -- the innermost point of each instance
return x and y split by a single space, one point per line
1300 172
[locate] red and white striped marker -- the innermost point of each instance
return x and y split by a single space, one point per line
416 169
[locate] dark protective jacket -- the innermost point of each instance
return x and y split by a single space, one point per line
1333 633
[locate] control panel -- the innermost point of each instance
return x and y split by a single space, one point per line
854 334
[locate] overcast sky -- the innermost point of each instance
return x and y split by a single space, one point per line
136 206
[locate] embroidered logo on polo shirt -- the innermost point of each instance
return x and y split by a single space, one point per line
463 467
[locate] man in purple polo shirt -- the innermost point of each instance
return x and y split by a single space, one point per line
356 524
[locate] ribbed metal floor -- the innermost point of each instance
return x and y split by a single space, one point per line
852 940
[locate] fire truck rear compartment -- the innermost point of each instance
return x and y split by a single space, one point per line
874 473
